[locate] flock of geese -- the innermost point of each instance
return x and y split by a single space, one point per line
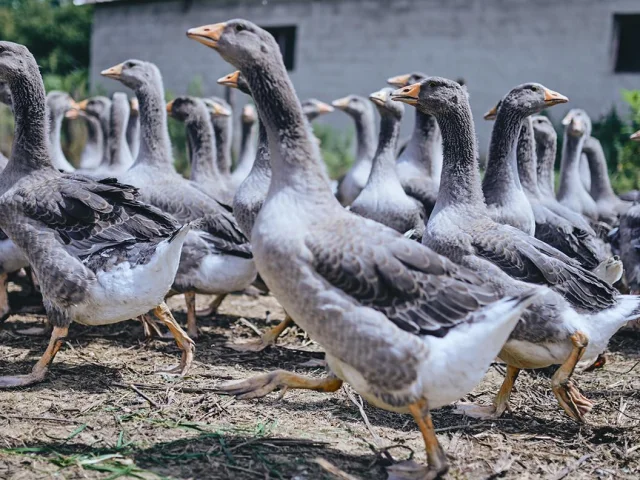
412 290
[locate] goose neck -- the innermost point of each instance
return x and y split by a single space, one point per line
570 164
365 135
425 144
155 146
526 156
384 160
600 183
203 151
546 156
222 131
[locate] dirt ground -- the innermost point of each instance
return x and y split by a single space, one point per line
104 414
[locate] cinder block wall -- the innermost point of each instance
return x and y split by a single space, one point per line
352 46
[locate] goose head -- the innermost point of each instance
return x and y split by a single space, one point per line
182 108
432 95
353 105
530 98
235 80
543 129
238 41
132 73
385 104
95 106
249 114
400 81
16 62
59 103
218 108
313 108
577 123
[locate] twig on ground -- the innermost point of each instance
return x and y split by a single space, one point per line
150 400
570 468
333 470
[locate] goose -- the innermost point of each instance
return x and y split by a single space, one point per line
420 163
91 155
133 127
248 202
5 98
314 108
248 119
576 318
392 315
58 103
99 107
576 240
223 130
585 172
507 202
361 111
609 206
383 199
101 256
216 257
571 191
195 114
120 158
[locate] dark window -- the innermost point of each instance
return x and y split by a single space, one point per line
286 38
627 41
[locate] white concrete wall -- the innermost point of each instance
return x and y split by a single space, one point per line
352 46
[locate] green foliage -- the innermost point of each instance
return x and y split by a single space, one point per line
623 155
336 148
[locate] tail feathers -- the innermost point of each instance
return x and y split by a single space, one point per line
514 305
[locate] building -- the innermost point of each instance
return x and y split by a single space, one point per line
585 49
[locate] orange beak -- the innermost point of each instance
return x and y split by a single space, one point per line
379 97
408 94
491 114
72 114
341 103
208 35
170 107
636 136
83 104
220 110
230 80
324 107
399 81
113 72
553 98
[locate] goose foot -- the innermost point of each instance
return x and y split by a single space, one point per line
213 306
151 328
474 410
40 369
267 339
182 339
500 403
261 385
569 397
192 326
411 470
314 363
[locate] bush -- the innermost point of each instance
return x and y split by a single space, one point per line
336 148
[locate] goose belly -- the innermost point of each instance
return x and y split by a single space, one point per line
125 291
223 274
11 257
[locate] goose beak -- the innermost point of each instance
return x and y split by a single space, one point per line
134 104
553 98
491 114
248 113
379 98
83 104
324 107
567 118
230 80
341 103
399 81
170 107
408 94
220 110
636 136
72 114
208 35
113 72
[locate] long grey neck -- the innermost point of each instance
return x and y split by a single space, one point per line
384 160
425 144
365 136
526 156
295 158
546 155
155 146
133 133
95 142
120 153
55 132
30 150
203 148
222 131
105 123
247 151
501 177
460 182
600 183
570 165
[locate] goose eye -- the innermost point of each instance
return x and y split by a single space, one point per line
432 84
534 89
239 28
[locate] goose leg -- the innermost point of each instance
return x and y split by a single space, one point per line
500 403
39 370
261 385
268 338
150 327
569 397
5 310
213 306
192 327
438 464
182 339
